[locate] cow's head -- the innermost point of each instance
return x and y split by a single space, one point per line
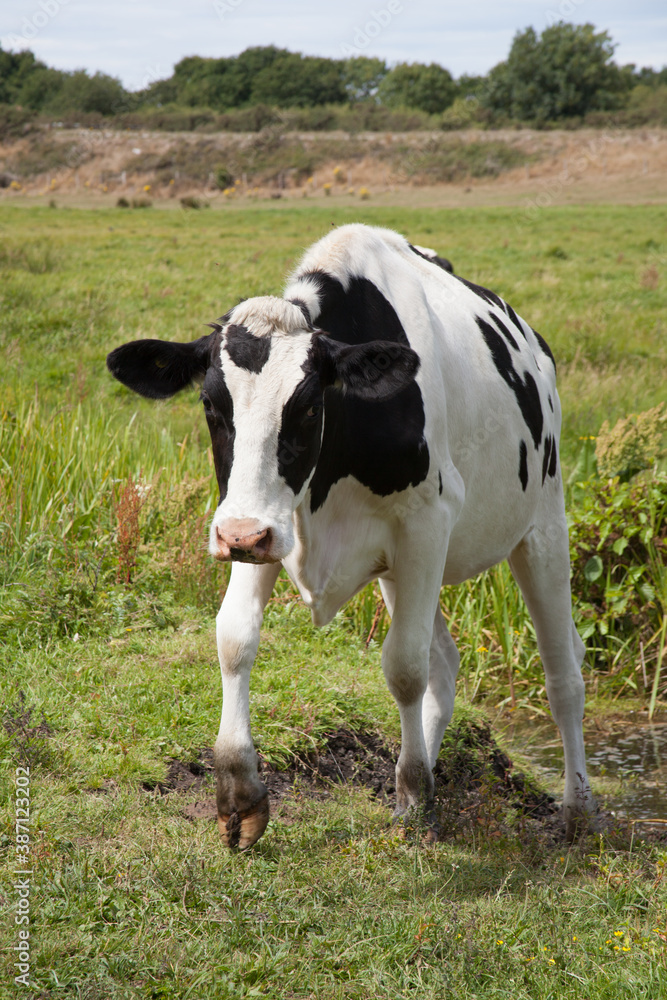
263 374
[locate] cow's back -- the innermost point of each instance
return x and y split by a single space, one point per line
484 407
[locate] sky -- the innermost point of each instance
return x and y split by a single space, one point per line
139 41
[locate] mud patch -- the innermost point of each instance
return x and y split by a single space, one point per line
476 782
185 777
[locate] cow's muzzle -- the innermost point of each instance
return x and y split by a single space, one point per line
243 541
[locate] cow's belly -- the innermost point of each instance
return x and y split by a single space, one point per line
354 537
491 524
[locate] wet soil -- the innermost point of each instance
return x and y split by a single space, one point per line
477 784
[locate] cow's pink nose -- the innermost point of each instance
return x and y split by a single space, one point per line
243 541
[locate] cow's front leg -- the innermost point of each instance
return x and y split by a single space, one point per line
243 805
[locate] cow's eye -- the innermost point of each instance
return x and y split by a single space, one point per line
313 412
208 406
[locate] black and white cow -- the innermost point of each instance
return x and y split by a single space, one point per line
383 419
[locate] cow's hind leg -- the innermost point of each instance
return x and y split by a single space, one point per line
438 704
541 567
243 808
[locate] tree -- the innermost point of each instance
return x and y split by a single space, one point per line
362 77
415 85
80 92
564 73
293 80
26 81
208 83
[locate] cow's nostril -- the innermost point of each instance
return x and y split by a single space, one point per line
263 544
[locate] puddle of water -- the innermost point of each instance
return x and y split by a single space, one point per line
633 754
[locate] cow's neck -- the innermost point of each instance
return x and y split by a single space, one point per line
339 548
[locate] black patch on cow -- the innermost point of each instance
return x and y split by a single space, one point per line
301 429
545 348
442 262
158 369
304 309
380 443
440 482
553 461
525 389
504 330
329 289
515 319
551 403
246 350
219 410
550 459
523 465
484 293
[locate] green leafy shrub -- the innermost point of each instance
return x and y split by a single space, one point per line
618 539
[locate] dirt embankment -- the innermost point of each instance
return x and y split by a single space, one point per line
467 167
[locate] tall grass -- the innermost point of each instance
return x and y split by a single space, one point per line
68 450
64 523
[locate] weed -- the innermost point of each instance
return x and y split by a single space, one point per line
633 444
129 498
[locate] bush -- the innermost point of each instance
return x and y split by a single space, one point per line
451 160
224 178
189 201
44 154
618 540
15 121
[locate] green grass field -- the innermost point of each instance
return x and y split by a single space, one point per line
108 651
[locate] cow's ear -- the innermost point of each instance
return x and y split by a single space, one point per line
159 368
374 371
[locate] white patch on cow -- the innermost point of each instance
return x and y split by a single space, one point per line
426 251
265 315
255 489
305 289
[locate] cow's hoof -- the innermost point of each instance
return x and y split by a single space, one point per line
432 835
417 821
240 830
